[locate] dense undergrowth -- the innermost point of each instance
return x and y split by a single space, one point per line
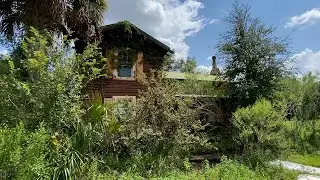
50 129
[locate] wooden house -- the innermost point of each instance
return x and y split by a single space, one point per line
131 53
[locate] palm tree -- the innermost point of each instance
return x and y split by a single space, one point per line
79 19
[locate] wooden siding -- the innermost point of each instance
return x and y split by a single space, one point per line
147 66
109 87
114 87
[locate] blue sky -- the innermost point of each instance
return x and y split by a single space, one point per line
192 27
272 12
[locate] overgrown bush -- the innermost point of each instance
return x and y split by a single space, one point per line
23 154
172 122
304 135
47 93
42 86
50 90
300 98
230 169
48 132
163 129
227 169
259 127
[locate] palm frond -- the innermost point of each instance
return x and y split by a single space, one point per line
83 17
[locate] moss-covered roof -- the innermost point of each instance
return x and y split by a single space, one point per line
182 76
129 27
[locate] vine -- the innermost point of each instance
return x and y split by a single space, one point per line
126 35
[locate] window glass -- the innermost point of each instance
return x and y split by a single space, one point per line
125 62
125 71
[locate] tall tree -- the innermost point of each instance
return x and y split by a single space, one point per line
79 19
186 66
254 57
189 65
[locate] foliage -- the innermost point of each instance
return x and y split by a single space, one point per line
51 91
255 58
259 127
301 99
78 19
303 135
49 96
276 172
300 96
148 138
163 125
92 63
23 154
189 66
126 36
186 66
230 169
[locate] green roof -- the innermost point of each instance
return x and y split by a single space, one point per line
182 76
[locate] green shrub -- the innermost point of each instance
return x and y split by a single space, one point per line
23 154
300 97
259 127
164 126
304 135
44 83
11 150
152 136
229 169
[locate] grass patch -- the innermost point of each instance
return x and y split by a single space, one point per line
305 159
226 170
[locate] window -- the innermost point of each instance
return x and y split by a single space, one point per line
125 69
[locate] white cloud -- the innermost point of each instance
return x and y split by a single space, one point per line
309 17
204 69
3 52
170 21
209 58
307 61
207 69
213 21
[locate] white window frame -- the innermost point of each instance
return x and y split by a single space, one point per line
133 71
115 72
